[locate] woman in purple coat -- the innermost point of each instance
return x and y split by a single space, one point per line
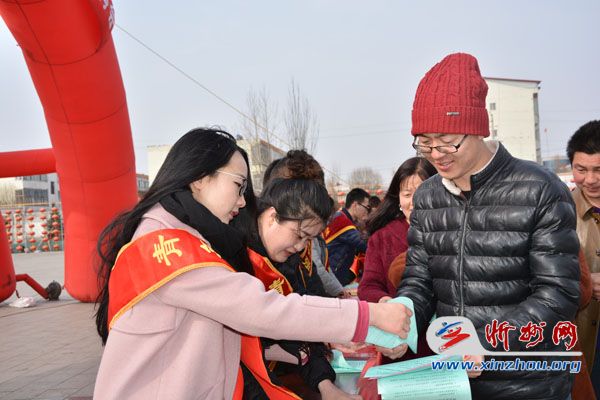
388 229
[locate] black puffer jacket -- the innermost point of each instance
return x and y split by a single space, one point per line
506 251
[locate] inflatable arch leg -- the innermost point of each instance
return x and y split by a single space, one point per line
71 57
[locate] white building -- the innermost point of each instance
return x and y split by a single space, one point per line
30 190
260 155
156 157
514 118
142 184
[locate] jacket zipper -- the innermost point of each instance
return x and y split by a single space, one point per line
461 257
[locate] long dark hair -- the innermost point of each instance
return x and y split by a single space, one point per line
296 199
389 209
197 154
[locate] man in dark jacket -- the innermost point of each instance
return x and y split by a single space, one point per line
343 239
491 236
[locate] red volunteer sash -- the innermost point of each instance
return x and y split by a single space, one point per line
358 265
268 274
305 265
252 358
151 261
164 255
252 351
306 258
340 224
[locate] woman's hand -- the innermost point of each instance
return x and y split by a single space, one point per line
390 317
331 392
346 294
348 348
395 353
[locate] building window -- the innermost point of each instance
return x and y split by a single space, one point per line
492 106
36 178
51 187
31 196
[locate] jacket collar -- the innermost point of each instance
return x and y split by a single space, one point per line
159 214
499 159
582 205
345 211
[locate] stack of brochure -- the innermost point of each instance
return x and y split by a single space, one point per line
413 379
341 365
417 380
347 371
381 338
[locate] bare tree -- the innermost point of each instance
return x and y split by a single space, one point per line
262 116
366 178
300 121
332 180
7 193
257 130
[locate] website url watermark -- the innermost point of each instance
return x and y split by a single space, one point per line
509 365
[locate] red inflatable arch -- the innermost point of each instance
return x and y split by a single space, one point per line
71 57
29 162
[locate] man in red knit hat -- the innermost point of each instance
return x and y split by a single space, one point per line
492 237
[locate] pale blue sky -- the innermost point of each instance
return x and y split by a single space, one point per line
358 62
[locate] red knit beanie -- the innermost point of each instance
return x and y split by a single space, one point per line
451 99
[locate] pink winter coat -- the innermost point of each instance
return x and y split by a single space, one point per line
182 341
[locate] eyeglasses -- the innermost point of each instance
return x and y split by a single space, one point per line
368 208
243 186
444 148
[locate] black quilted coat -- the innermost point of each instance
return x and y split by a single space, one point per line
507 250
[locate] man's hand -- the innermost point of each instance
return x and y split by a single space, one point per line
596 285
474 373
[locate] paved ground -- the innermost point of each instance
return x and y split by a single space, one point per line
50 351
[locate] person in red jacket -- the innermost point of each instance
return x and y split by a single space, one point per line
388 228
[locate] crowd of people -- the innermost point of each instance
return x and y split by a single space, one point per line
211 292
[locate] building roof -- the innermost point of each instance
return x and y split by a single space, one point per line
264 143
512 80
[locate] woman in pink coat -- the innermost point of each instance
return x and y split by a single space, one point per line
388 229
177 284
